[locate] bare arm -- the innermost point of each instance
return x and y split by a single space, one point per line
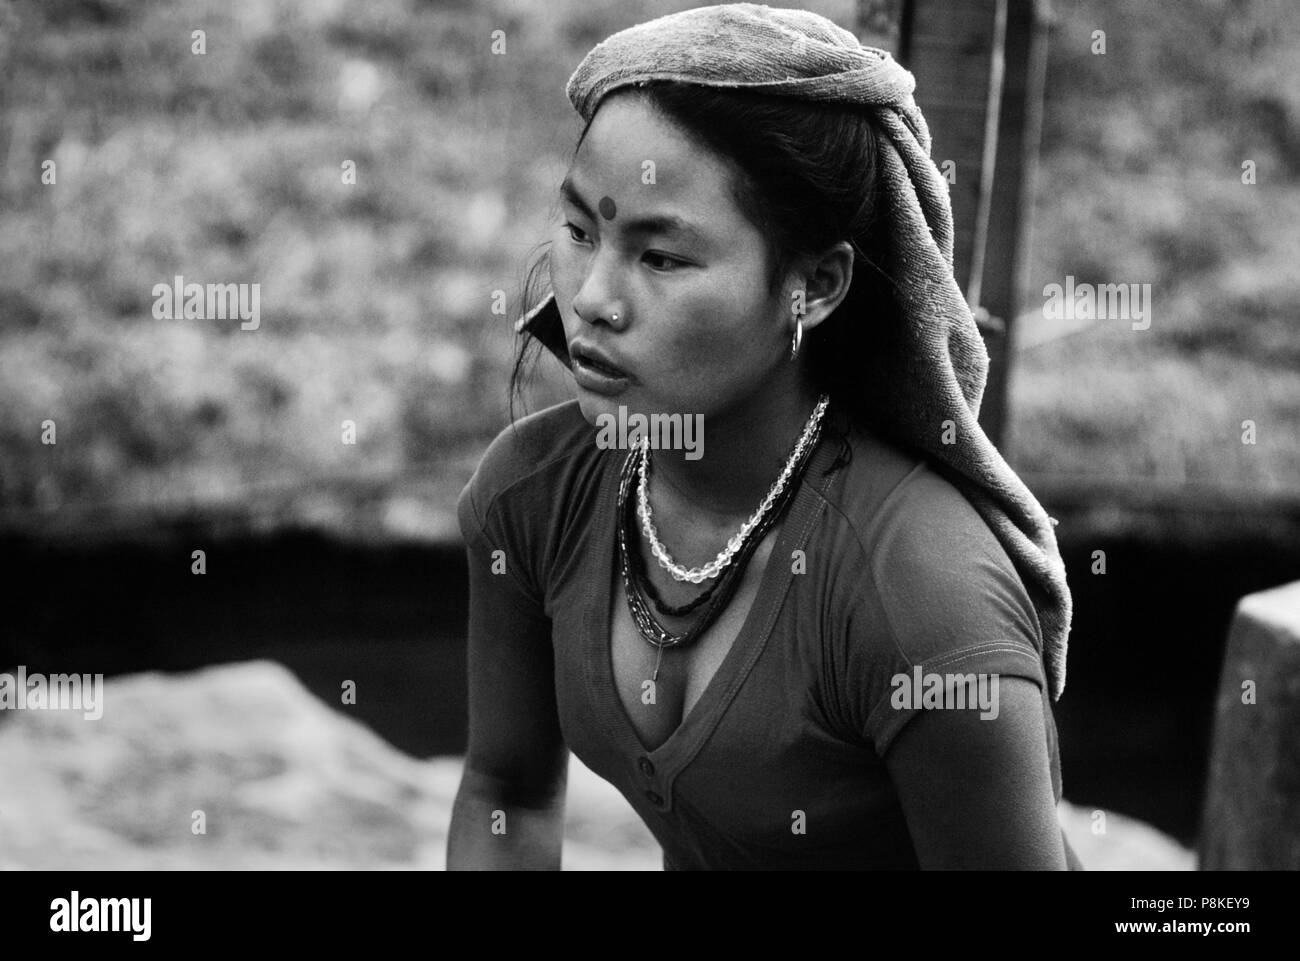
977 794
509 811
531 835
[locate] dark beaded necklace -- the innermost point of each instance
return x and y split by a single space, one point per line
636 582
662 606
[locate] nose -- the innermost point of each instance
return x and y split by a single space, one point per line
595 302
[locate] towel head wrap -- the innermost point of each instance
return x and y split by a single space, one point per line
940 367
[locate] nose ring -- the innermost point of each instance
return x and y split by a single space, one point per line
614 318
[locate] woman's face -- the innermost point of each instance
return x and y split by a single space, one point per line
696 332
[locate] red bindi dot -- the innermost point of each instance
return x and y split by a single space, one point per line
607 208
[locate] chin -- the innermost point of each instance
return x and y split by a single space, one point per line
593 405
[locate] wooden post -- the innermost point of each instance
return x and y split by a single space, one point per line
1005 270
979 69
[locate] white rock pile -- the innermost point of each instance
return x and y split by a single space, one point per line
277 779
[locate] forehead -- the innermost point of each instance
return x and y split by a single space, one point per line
626 137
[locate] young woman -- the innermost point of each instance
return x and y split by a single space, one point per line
758 645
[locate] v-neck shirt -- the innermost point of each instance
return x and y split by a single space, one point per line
881 570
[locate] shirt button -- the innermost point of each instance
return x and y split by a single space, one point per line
653 798
646 767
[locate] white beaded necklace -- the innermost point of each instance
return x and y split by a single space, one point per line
715 567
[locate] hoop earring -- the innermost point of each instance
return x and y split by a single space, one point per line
798 339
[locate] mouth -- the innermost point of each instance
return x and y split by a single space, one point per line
596 366
595 371
594 361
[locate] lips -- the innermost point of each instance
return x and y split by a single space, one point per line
595 360
596 371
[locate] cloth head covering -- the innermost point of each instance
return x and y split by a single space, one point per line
938 365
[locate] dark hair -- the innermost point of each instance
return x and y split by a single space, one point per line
807 179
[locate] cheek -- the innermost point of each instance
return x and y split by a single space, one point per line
563 264
565 267
718 330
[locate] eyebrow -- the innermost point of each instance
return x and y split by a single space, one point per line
656 224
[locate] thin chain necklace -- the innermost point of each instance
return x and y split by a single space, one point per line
647 587
634 572
713 568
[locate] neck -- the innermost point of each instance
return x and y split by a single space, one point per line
746 448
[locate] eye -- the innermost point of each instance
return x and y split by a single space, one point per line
672 262
668 264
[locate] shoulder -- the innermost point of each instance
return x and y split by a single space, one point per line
531 446
534 494
921 581
938 568
909 521
899 502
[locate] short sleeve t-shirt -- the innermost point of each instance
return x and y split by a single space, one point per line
882 570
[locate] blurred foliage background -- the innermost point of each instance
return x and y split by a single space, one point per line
1141 182
377 297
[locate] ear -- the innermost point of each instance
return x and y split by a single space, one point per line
825 282
544 323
